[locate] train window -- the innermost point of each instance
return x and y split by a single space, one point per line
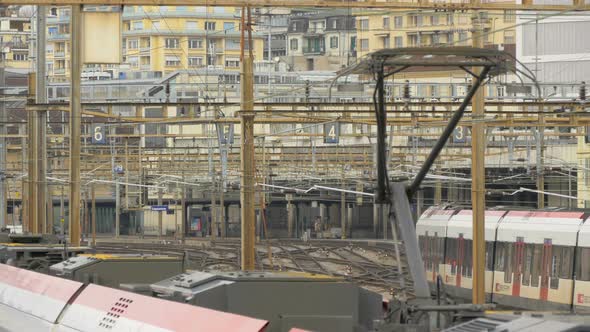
441 251
555 266
583 264
566 268
435 252
468 258
422 243
500 246
508 262
528 264
489 255
451 253
536 264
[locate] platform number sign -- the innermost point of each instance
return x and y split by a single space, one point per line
225 133
332 132
460 134
98 134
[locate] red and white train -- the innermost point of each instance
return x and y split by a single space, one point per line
534 259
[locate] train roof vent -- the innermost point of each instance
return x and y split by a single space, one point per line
476 325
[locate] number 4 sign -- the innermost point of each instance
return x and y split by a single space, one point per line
332 132
98 134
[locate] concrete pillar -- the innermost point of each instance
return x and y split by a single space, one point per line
118 211
376 219
349 219
290 218
323 215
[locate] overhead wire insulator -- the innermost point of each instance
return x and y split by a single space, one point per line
583 91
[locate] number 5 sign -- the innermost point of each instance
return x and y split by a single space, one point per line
98 134
332 132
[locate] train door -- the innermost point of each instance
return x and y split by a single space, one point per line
546 268
460 259
518 265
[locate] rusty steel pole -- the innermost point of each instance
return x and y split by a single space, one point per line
478 202
247 190
75 123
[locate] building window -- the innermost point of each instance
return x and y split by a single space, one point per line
435 20
172 61
171 42
509 37
19 56
209 25
509 16
386 42
398 21
133 43
191 25
232 63
462 37
450 38
195 43
294 44
364 44
386 23
195 61
232 44
364 24
399 42
137 25
435 39
229 26
335 24
155 25
334 42
450 19
133 61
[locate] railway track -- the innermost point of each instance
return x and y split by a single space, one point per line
368 263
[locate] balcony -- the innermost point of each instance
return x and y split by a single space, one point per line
315 31
59 54
314 50
19 46
59 36
59 71
145 67
58 19
178 13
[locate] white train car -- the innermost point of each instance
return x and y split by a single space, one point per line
534 259
582 285
431 230
458 269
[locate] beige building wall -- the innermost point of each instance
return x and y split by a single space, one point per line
399 28
14 42
193 34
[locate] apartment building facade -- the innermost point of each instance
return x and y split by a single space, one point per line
15 34
394 29
321 40
165 39
157 40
